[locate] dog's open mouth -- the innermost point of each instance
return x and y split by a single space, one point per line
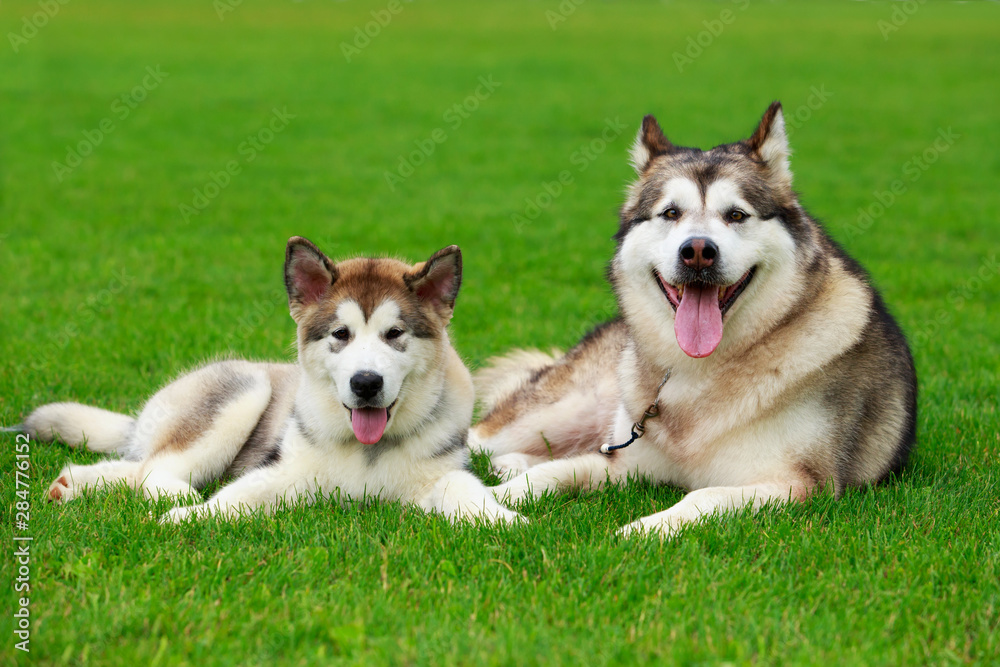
369 423
699 309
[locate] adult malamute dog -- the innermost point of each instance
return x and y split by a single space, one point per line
785 369
379 404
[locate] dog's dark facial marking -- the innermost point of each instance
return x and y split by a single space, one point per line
425 293
371 283
396 338
740 162
317 330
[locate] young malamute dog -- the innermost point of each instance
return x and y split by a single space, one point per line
784 369
378 405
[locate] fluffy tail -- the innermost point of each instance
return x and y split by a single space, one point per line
504 375
80 425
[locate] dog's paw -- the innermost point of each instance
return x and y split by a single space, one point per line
493 514
664 529
498 514
181 514
513 491
62 490
509 466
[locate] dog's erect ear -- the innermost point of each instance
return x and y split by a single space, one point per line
437 280
770 142
308 274
649 143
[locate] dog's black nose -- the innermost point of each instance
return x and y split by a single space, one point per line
699 253
366 384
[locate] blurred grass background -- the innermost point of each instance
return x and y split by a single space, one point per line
109 290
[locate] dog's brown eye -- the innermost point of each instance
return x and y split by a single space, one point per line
341 334
737 215
671 213
392 333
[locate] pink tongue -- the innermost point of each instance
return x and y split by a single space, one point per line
369 424
698 321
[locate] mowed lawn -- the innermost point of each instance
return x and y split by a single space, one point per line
156 157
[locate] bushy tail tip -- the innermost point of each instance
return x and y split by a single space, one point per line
80 425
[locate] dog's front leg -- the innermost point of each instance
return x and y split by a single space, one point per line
263 488
461 495
587 471
715 500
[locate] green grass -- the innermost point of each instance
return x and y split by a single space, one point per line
107 292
